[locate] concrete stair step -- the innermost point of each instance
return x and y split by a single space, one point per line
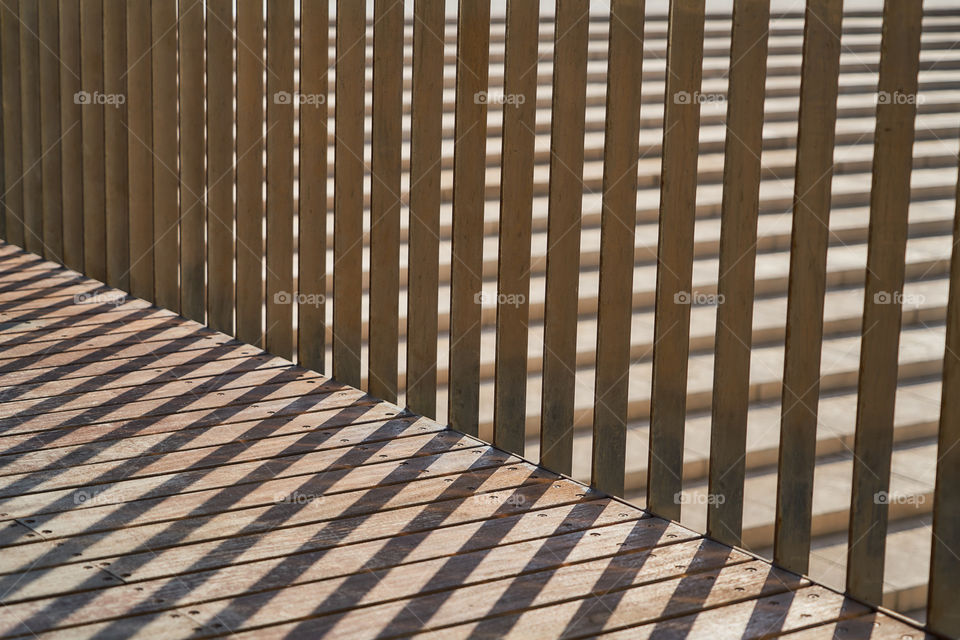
910 495
906 563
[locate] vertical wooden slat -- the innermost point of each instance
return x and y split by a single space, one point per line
738 237
139 78
250 171
516 208
280 96
115 143
943 615
165 177
91 113
220 171
424 226
192 219
12 140
617 228
678 202
71 141
50 129
886 248
312 250
3 182
571 32
819 76
30 115
469 165
385 198
348 192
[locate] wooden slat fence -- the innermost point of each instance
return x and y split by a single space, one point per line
181 150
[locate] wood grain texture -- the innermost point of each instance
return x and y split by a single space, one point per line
139 79
192 154
516 204
879 347
91 119
166 211
385 168
469 162
942 613
678 202
313 213
71 132
349 170
426 130
30 127
116 144
738 252
278 338
250 171
617 229
12 138
221 173
819 78
49 107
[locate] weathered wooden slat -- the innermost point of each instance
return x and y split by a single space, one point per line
116 196
735 284
469 162
348 192
250 172
166 212
91 118
819 78
563 233
943 615
49 107
678 204
618 225
516 208
312 176
221 175
139 150
879 347
278 338
30 127
426 129
71 131
190 96
12 136
385 166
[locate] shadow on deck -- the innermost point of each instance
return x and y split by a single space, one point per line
160 479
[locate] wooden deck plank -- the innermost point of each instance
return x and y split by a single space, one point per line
303 575
157 477
384 512
256 555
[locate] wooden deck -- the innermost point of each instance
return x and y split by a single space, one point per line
159 479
